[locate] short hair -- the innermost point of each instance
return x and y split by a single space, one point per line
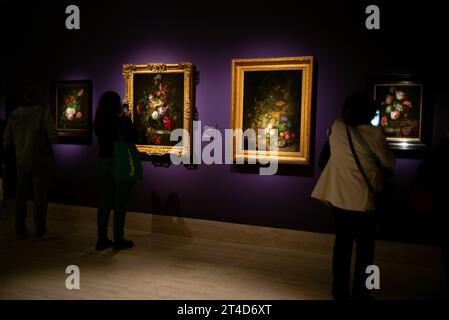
33 93
358 109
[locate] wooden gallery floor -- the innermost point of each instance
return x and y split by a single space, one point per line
179 258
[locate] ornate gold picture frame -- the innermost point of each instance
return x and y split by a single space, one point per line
159 97
273 93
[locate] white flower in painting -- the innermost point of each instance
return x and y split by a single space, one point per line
70 112
398 107
161 110
80 93
155 115
400 95
389 109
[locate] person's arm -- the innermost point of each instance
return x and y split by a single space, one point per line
383 151
50 127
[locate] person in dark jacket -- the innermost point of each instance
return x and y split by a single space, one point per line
31 131
113 194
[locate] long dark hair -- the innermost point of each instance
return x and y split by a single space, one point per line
358 109
107 110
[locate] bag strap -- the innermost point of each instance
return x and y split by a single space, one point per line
364 144
357 161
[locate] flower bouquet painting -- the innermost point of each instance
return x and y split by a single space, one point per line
400 110
72 110
159 98
158 107
273 98
272 102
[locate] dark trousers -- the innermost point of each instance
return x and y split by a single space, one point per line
113 196
350 226
38 179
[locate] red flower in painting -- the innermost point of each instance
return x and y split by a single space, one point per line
156 139
66 101
167 123
406 104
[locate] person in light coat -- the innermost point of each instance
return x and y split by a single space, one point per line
342 186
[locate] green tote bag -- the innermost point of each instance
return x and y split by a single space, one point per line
127 163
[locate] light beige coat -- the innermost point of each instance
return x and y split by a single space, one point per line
341 184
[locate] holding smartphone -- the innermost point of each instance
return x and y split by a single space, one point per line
125 109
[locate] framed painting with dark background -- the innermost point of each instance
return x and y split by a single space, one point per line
274 95
71 108
402 112
159 97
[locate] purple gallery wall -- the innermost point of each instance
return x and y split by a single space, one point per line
345 52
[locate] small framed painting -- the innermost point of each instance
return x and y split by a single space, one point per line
159 98
272 97
399 100
71 107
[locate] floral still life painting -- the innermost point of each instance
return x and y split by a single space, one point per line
271 100
273 97
400 110
72 110
158 107
159 99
